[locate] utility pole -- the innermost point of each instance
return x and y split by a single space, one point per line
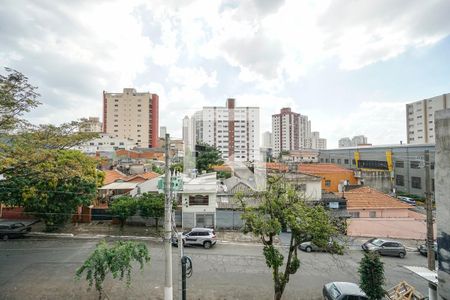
168 289
430 231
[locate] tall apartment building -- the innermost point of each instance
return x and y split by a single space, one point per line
357 140
132 115
233 130
162 132
290 131
267 140
420 118
316 142
91 124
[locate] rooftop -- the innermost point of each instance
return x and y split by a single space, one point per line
366 198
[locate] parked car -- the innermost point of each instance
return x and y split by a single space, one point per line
205 237
12 229
407 200
343 291
424 250
331 246
385 247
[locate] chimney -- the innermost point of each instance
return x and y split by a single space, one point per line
231 102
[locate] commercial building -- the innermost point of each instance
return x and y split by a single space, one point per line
91 124
399 167
132 115
290 131
233 130
420 119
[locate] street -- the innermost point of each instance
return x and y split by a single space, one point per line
37 268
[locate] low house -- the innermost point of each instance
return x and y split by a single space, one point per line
199 201
333 176
375 214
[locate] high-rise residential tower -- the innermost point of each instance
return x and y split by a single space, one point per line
267 140
233 130
290 131
420 118
132 115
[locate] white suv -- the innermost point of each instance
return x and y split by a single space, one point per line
205 237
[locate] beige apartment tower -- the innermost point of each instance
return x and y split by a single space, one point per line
132 115
420 118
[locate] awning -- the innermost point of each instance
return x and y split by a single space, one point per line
425 273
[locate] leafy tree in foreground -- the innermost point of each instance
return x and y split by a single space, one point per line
152 206
116 260
123 208
279 204
208 156
53 189
371 271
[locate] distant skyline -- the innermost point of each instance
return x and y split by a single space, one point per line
350 66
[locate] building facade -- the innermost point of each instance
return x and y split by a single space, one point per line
233 130
105 143
290 131
345 142
91 124
267 140
132 115
386 167
420 119
316 142
358 140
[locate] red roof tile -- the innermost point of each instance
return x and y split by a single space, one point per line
366 198
113 175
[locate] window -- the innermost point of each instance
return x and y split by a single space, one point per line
399 180
327 160
199 200
416 182
354 214
432 166
415 165
399 164
321 160
332 160
353 162
300 187
372 214
339 161
346 161
327 183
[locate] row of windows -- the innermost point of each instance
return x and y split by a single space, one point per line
416 182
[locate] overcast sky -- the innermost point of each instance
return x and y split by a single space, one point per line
349 65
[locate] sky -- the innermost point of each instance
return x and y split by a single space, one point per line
350 66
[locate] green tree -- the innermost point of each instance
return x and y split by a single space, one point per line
208 156
123 208
178 167
116 260
17 97
152 206
371 271
157 169
53 189
281 204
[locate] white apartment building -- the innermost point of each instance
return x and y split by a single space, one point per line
290 131
420 118
91 124
357 140
316 142
132 115
345 142
267 140
233 130
105 143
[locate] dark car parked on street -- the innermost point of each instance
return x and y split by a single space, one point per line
12 229
385 247
424 250
343 291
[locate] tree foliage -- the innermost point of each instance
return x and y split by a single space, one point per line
281 204
152 206
116 260
17 97
371 271
208 156
122 208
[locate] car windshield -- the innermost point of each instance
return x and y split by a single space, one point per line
334 292
377 242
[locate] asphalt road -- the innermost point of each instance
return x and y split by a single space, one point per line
35 268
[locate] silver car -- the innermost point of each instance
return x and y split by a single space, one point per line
205 237
343 291
385 247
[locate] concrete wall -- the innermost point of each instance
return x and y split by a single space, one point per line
442 192
382 213
228 219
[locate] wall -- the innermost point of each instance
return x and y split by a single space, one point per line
442 190
382 213
228 219
335 179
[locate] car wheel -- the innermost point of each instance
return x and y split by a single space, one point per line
308 249
207 245
5 237
401 254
